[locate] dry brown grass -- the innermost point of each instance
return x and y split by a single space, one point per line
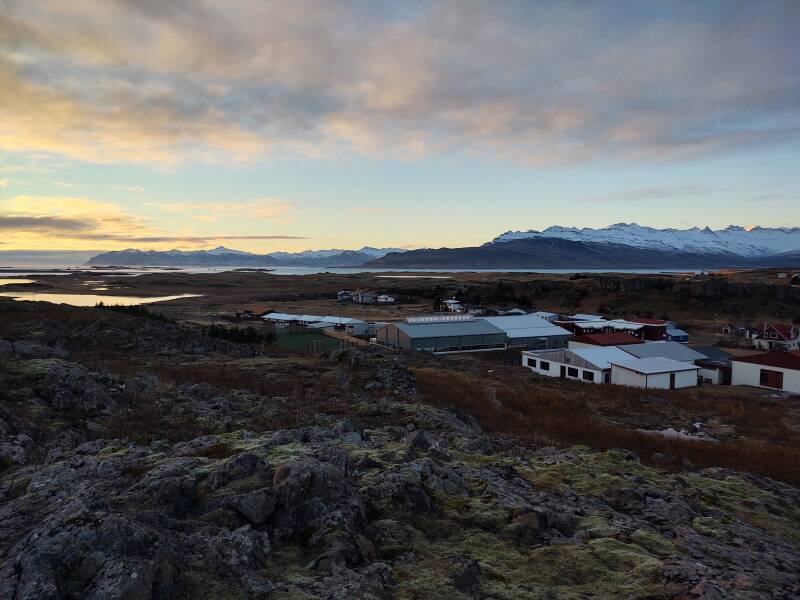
539 416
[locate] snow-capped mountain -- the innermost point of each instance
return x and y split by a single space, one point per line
740 241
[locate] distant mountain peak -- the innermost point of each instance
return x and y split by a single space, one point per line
734 239
222 256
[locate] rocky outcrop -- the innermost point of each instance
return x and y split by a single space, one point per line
135 487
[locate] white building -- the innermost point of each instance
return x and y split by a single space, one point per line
773 370
654 373
592 365
547 316
385 299
452 305
529 331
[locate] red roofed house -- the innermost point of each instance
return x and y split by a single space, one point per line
654 329
773 370
614 338
777 337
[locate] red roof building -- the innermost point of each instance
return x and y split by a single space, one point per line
606 339
777 337
782 360
772 370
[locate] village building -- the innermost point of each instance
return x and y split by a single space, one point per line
442 334
670 350
503 311
365 297
777 337
652 329
677 335
280 319
654 373
716 367
547 316
385 299
530 332
590 364
614 338
734 329
452 305
344 296
584 317
771 370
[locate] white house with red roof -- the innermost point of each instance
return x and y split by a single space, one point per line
771 370
777 337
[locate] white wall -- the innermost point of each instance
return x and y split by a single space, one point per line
626 377
683 379
713 375
750 374
555 370
573 344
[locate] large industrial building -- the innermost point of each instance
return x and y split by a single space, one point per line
442 334
466 333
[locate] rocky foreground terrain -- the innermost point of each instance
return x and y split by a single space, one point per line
144 460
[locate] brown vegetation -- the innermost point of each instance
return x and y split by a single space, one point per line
538 415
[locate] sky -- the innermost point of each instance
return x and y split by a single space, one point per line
267 126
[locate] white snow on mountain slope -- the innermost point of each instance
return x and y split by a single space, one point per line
368 250
757 241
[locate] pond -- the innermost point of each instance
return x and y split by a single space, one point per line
91 299
6 281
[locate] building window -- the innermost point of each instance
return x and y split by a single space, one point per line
544 365
771 379
572 372
532 362
588 376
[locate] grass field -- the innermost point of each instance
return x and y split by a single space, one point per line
306 342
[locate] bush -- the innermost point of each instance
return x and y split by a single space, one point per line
246 335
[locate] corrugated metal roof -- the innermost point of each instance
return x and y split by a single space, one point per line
677 331
448 328
714 353
279 316
522 326
671 350
601 357
654 365
340 320
583 317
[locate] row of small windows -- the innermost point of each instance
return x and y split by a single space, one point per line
571 371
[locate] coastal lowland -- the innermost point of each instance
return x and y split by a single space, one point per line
197 448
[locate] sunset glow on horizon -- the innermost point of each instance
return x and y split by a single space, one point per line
268 126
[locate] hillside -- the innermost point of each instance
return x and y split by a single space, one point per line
143 459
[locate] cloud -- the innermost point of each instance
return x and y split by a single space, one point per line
267 209
4 182
47 222
67 185
144 81
134 189
661 192
41 224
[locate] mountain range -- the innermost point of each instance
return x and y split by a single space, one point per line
225 257
619 246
